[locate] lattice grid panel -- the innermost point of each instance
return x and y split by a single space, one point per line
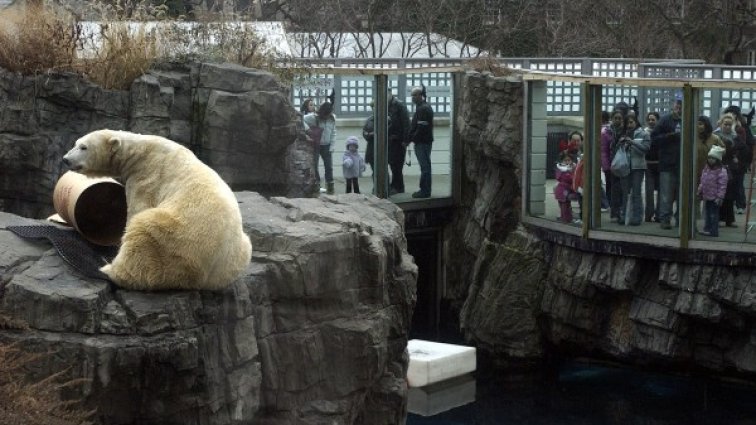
438 88
746 99
562 98
355 94
316 86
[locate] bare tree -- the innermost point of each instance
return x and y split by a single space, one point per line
714 30
692 29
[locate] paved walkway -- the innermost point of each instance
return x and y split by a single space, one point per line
726 234
441 187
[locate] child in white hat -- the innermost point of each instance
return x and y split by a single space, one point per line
353 165
712 190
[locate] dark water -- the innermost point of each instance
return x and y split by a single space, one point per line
584 394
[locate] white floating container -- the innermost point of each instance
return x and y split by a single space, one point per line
442 396
432 362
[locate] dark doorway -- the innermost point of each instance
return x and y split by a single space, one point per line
424 246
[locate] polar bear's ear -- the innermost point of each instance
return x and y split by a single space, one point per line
114 143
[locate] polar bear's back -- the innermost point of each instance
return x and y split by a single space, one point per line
182 216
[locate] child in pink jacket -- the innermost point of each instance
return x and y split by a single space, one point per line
712 190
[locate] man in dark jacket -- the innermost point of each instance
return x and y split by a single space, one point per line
421 134
398 128
666 139
368 133
744 154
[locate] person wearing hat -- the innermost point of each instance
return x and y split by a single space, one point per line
705 139
712 190
353 165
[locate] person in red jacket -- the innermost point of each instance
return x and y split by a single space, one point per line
563 191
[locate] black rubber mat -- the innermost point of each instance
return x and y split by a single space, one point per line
82 255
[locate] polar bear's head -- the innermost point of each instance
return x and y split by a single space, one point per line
93 154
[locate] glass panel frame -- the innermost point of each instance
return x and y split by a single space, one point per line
696 101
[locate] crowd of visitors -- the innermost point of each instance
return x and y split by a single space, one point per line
639 157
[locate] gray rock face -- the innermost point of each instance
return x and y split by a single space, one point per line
314 332
490 208
499 310
224 113
662 311
525 293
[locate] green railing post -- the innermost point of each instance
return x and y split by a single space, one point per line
380 112
686 191
592 156
456 141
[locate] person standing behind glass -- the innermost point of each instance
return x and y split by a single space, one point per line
398 128
368 133
421 134
637 142
666 138
610 136
605 122
307 107
742 126
705 139
711 190
652 172
732 160
353 165
326 120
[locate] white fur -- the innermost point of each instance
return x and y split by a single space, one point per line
184 227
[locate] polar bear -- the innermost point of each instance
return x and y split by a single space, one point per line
183 228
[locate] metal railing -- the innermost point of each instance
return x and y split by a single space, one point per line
353 94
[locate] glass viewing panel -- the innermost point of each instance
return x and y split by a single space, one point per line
666 178
641 196
354 96
439 97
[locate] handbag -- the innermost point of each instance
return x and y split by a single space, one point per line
316 134
620 166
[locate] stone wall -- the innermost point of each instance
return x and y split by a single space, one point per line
532 291
237 120
314 332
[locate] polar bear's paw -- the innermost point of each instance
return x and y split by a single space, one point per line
107 270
